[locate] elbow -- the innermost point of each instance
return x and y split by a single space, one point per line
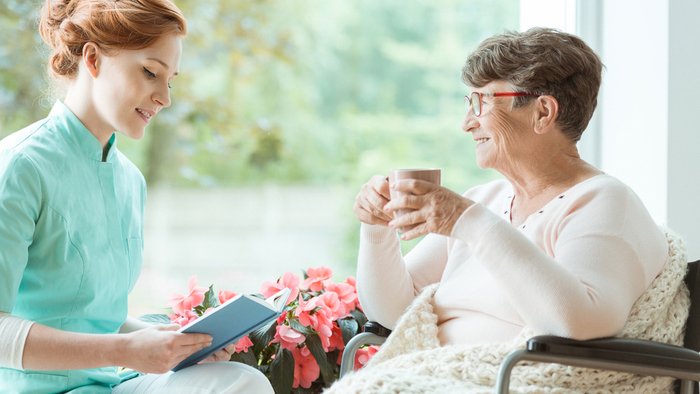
588 326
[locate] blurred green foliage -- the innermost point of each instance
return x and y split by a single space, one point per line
312 92
292 91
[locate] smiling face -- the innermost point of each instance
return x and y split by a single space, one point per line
503 135
131 86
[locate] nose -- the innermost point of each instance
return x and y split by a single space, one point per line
470 121
162 96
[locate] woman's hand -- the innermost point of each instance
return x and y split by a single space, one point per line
159 349
222 355
435 208
370 202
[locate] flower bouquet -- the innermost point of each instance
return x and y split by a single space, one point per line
300 352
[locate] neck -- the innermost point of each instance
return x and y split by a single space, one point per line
82 107
549 171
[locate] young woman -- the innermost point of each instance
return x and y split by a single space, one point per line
71 216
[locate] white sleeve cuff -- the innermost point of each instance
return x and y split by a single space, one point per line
13 335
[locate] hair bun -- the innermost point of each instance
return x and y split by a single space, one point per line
58 32
67 25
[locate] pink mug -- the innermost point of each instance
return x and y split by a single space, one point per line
424 174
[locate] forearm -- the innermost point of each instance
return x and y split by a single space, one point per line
384 285
586 292
133 324
48 349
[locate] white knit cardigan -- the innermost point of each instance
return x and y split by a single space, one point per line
412 360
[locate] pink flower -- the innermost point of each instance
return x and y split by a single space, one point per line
318 278
288 337
347 296
363 356
306 371
183 319
315 314
324 326
304 312
288 281
336 339
331 301
225 295
181 303
352 282
243 344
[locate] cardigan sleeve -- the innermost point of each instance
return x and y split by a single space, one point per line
386 281
598 256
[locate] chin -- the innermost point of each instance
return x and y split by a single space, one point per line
134 134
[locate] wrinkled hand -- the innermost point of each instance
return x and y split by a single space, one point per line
435 209
370 202
159 349
222 355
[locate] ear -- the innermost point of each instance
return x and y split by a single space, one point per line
91 58
547 112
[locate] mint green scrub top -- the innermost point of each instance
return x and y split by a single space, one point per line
71 240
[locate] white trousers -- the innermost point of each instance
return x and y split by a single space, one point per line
209 378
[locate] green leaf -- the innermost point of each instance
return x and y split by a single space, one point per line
282 372
245 358
155 319
210 301
349 327
359 316
262 336
300 328
305 275
313 342
332 358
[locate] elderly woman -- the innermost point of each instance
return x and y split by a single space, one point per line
557 246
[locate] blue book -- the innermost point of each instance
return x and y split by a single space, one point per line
233 320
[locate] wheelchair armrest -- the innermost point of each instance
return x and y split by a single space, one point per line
373 334
376 329
613 354
635 351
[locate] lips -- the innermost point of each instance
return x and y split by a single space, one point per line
145 114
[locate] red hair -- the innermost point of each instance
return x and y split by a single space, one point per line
67 25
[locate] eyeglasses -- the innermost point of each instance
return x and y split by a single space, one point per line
475 100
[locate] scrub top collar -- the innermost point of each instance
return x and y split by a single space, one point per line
80 135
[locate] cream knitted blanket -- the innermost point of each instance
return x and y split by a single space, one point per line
412 360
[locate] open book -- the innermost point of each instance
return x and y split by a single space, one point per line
233 320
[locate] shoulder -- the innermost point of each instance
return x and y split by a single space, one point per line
22 140
605 206
604 195
39 143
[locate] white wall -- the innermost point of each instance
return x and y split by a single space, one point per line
683 185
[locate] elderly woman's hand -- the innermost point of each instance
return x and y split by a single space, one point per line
370 202
435 208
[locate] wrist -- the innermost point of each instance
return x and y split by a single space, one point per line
116 351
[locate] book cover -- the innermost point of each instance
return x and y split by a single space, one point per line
231 321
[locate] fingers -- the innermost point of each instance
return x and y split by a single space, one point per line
168 327
414 186
193 339
370 201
